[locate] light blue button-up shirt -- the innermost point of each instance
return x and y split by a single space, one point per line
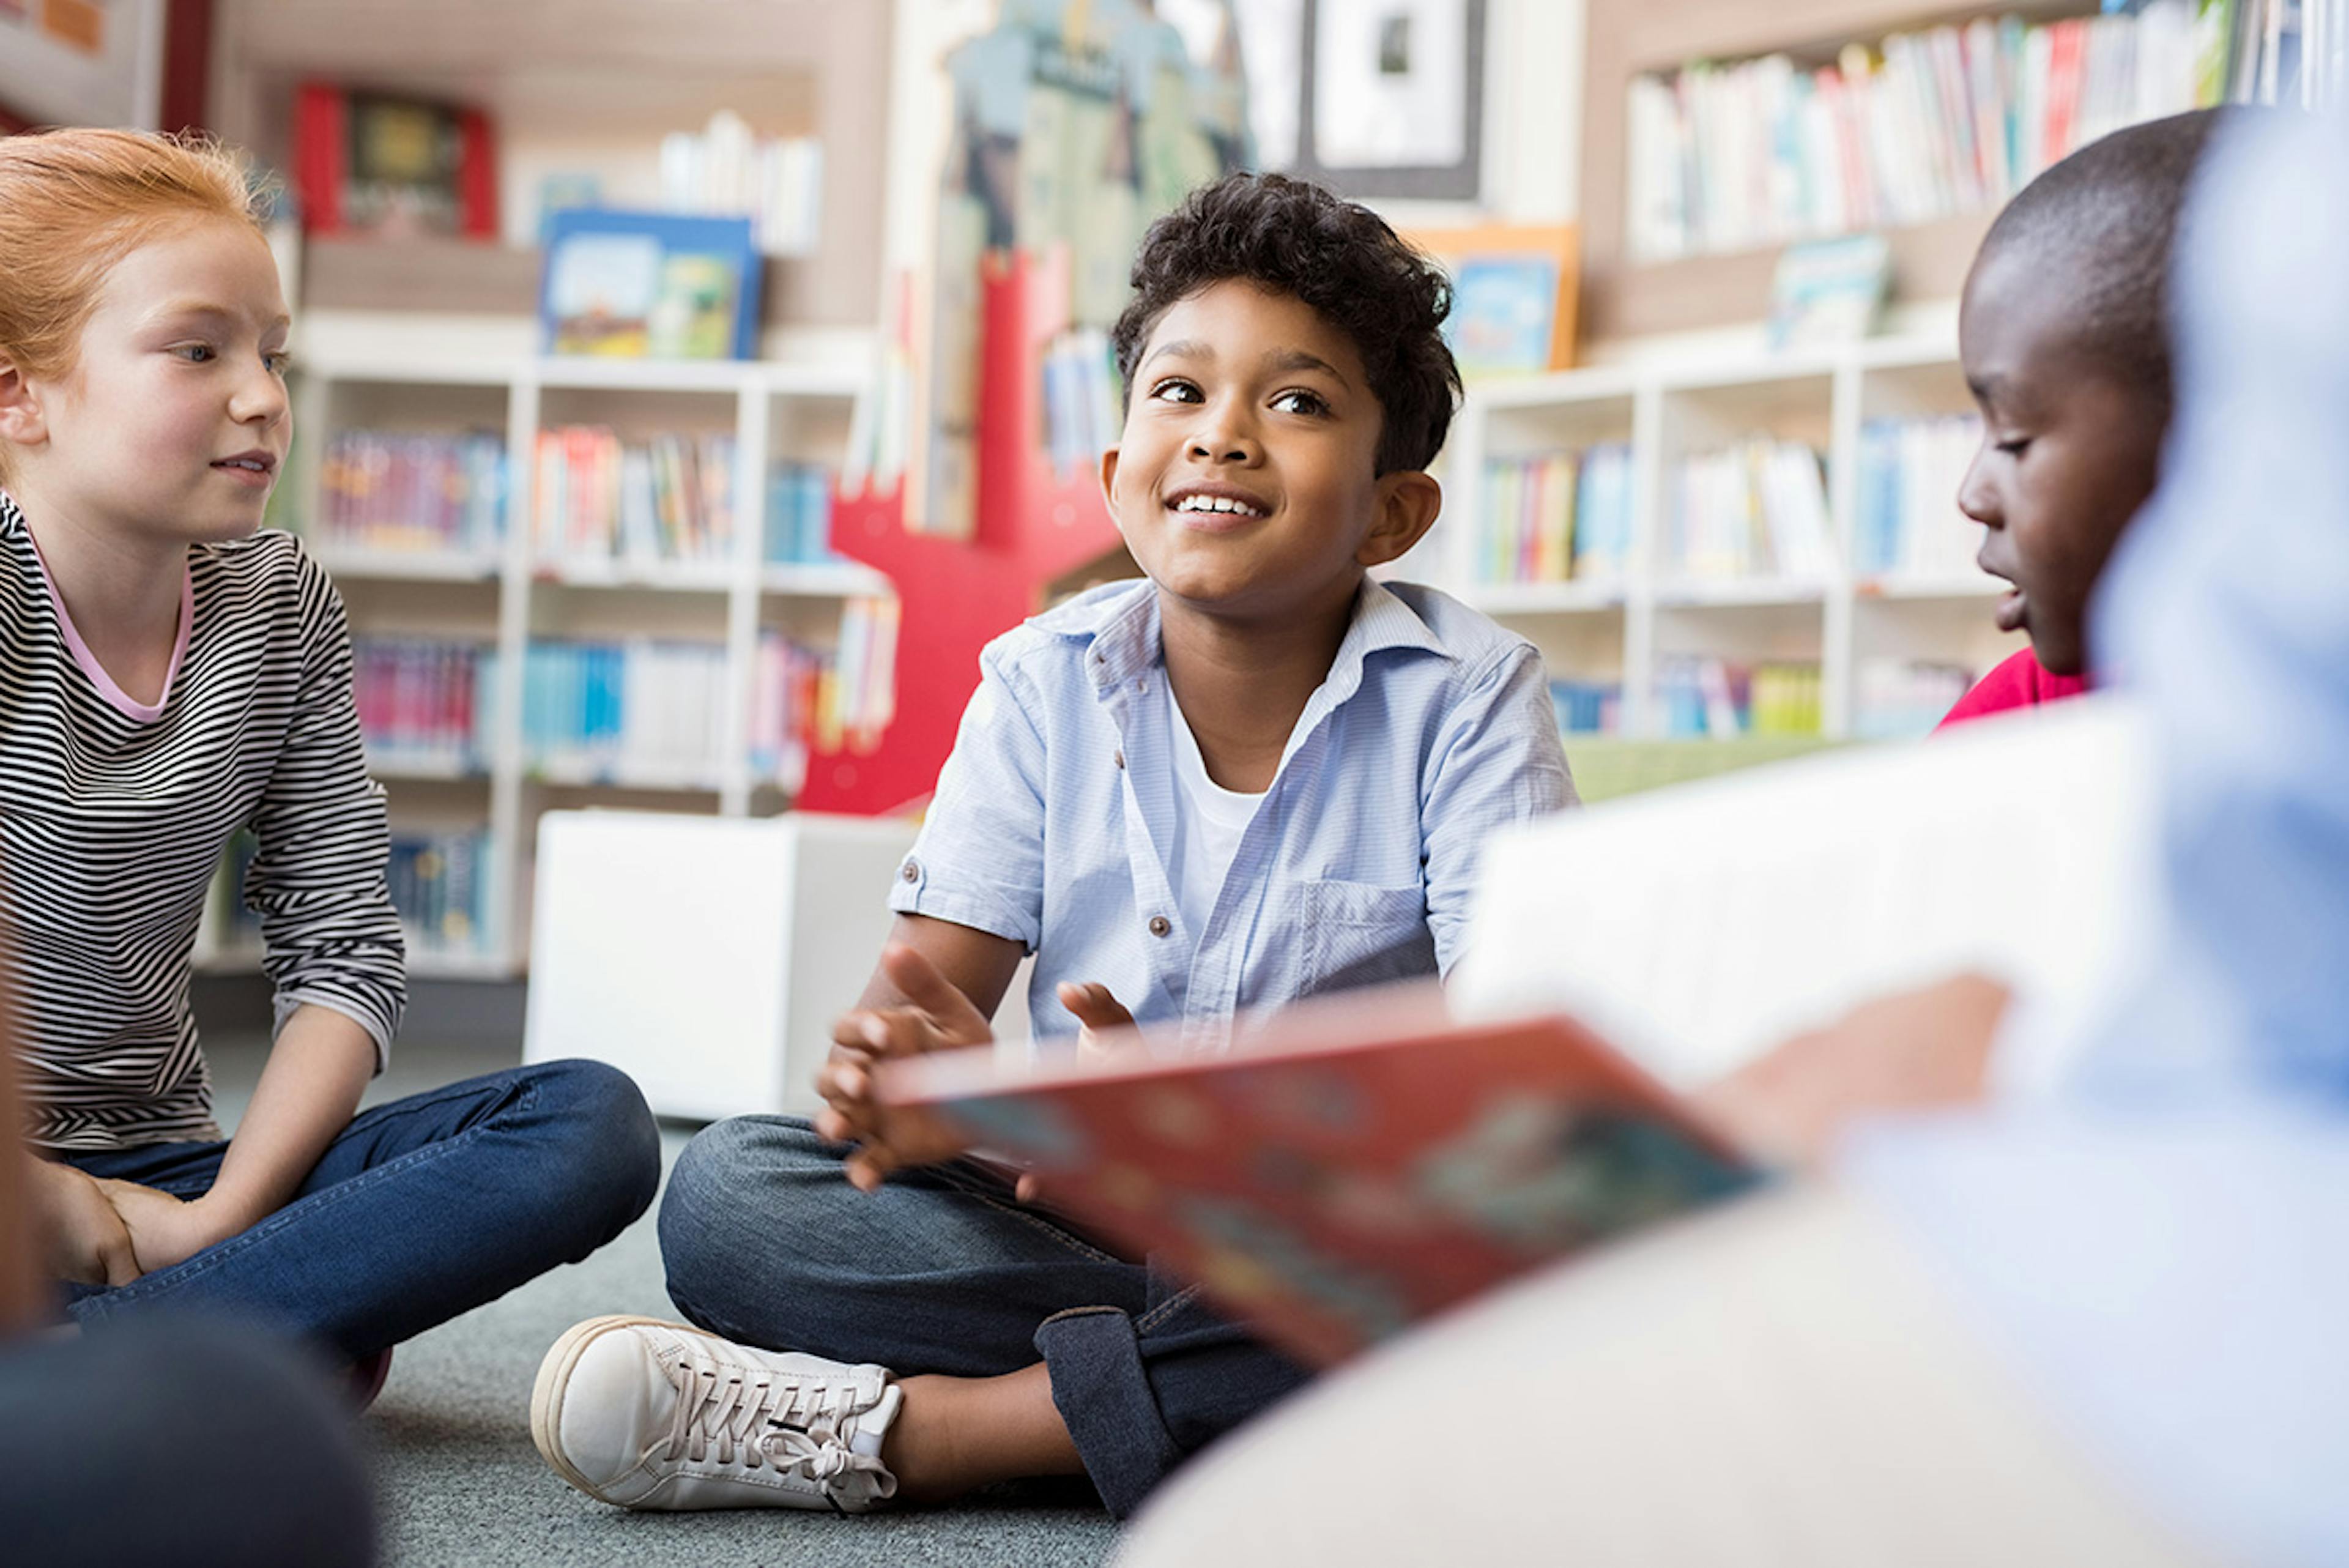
2166 1253
1053 816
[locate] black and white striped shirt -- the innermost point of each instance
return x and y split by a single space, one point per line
113 818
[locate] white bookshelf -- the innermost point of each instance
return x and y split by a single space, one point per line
1621 629
505 599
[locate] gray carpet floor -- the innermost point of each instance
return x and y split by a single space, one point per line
459 1483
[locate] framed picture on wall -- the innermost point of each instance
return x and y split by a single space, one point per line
1372 97
80 62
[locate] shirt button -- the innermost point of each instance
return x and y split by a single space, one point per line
911 871
1121 756
1160 925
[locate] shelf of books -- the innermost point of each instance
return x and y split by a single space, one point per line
1772 548
576 583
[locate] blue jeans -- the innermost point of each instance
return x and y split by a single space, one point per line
941 1271
419 1210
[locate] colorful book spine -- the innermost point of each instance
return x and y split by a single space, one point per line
1908 525
380 490
1715 699
439 884
1588 707
421 702
1556 518
600 498
1756 510
799 515
1918 126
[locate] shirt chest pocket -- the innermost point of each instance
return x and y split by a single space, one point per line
1352 934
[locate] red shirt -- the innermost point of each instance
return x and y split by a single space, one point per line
2019 681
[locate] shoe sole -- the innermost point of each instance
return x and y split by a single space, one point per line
553 1380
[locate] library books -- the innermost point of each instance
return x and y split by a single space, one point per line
1718 699
423 701
607 710
727 169
381 490
1357 1163
1758 509
807 700
1910 475
1556 517
439 879
798 514
1082 417
439 884
600 498
1924 125
1588 707
1900 699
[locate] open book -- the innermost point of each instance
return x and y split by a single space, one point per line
1357 1165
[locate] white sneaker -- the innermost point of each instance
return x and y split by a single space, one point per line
655 1415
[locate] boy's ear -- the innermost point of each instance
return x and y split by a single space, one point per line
21 422
1407 505
1109 480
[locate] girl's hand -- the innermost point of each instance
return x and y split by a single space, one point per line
164 1229
83 1238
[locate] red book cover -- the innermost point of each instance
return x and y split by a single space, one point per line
321 146
2066 55
1355 1165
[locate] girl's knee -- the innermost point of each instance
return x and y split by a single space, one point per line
609 1133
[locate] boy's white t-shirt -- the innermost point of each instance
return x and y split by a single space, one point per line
1208 823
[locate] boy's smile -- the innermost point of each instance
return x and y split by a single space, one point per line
2069 450
1246 482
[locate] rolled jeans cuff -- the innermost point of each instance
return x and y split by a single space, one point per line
1104 1396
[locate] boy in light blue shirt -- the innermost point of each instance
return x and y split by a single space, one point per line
1257 775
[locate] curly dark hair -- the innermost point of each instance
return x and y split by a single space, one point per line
1295 238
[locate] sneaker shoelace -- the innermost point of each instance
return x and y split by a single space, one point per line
792 1425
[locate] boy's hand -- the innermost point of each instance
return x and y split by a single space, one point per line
83 1239
935 1017
1914 1051
1096 1012
164 1229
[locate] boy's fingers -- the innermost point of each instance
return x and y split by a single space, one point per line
917 980
1094 1005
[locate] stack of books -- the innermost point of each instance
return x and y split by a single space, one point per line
1082 414
1557 517
1712 698
1756 510
1910 475
1928 124
422 700
599 498
379 490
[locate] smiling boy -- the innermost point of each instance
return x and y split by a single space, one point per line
1255 775
2065 336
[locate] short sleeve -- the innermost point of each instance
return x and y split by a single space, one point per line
1497 763
979 859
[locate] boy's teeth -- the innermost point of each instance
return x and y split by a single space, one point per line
1213 503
